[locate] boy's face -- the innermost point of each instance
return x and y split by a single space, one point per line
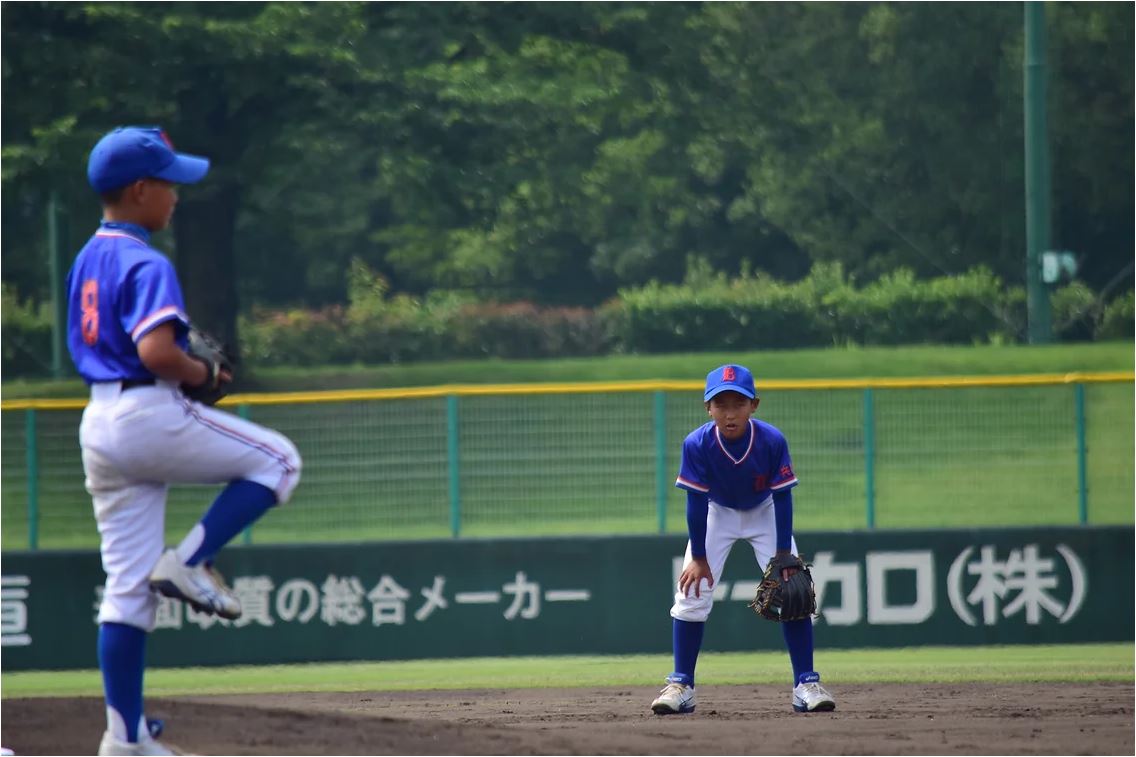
158 201
731 412
149 203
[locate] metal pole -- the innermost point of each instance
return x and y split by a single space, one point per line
55 274
1082 456
870 457
661 487
1037 173
454 457
30 449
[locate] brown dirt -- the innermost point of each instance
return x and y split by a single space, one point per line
880 719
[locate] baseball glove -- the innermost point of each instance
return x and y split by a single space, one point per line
781 600
209 352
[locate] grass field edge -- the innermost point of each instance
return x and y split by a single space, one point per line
925 665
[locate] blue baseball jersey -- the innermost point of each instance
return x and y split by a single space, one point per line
118 289
740 474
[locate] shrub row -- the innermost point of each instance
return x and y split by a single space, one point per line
711 312
707 312
337 335
824 308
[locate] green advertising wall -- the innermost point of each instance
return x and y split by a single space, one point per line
589 595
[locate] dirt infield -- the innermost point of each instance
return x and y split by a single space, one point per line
877 719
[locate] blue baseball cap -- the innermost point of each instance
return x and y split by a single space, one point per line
130 153
729 378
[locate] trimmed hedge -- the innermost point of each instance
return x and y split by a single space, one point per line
707 312
336 335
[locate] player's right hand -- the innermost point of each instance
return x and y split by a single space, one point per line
692 576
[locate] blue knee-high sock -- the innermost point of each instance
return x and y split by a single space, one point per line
687 643
799 641
122 659
237 506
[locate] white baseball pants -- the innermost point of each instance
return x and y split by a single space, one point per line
724 526
135 444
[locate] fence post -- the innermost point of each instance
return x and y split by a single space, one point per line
661 488
453 456
870 457
243 411
1082 456
33 477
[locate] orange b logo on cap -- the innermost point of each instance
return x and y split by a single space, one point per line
729 374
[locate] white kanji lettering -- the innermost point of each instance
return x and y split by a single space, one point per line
253 593
204 620
434 598
297 599
1031 576
990 587
1025 573
526 596
100 592
388 602
342 601
14 592
168 614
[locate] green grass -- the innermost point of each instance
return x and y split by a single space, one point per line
923 665
846 362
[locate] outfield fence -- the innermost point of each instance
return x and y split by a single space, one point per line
601 458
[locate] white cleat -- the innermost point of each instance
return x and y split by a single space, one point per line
675 698
199 585
810 696
144 746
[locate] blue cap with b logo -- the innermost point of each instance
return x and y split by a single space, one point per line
130 153
729 378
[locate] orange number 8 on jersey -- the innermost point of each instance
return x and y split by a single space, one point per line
90 303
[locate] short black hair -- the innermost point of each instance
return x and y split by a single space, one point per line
112 196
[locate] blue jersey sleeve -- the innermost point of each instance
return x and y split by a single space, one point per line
783 476
151 296
692 471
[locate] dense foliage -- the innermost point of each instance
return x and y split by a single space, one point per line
558 153
707 312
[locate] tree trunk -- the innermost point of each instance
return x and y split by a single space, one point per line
204 230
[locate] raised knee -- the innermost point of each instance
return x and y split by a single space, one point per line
293 464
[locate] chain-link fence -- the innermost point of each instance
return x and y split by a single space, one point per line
602 458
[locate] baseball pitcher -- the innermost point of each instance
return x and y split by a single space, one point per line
149 422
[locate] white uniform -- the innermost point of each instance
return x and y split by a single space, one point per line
724 526
138 441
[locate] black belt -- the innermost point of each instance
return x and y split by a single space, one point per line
133 383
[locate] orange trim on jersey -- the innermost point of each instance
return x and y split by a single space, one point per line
154 319
783 484
680 481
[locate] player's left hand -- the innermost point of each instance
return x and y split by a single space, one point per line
788 570
218 366
786 590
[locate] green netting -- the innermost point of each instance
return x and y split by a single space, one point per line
528 465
